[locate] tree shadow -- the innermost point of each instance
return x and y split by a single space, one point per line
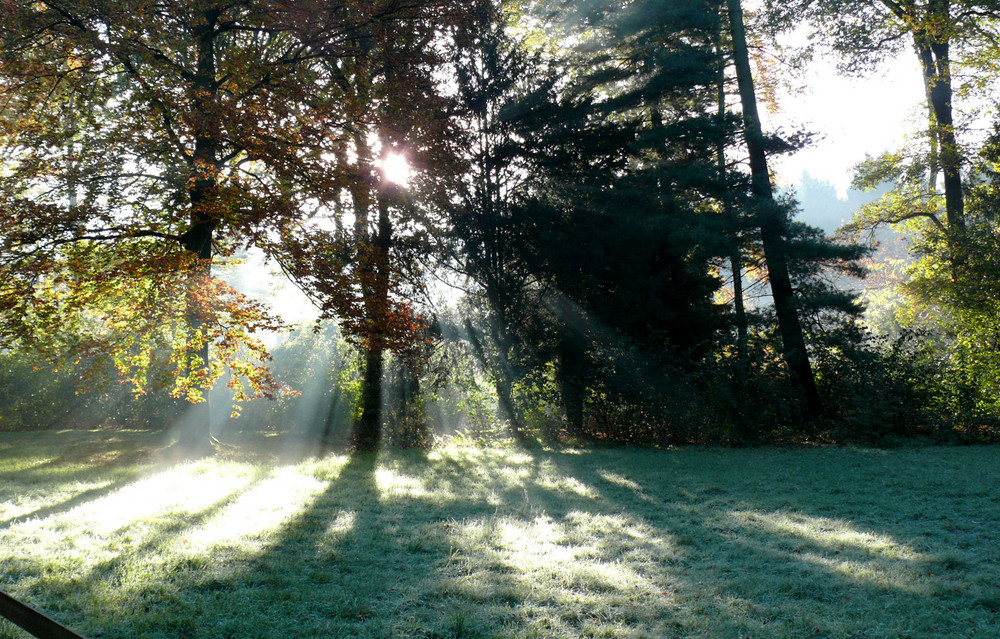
80 454
91 465
534 543
339 567
78 499
823 557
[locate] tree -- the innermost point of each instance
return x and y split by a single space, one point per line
772 224
966 307
616 224
728 202
362 262
937 194
204 126
943 33
493 71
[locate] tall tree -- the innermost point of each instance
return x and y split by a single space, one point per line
771 220
360 258
618 214
942 34
505 95
729 200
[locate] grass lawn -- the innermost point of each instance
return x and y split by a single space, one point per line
461 542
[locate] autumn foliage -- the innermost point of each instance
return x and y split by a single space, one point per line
145 141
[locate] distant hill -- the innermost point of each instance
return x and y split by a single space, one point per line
821 207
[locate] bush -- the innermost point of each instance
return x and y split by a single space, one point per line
883 389
36 394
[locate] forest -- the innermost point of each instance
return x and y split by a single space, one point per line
549 221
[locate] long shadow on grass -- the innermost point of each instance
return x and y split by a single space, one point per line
488 544
783 564
573 545
79 454
78 499
338 567
352 563
103 463
100 596
556 557
371 554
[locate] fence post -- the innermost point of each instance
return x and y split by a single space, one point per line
33 621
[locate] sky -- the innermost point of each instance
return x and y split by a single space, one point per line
855 116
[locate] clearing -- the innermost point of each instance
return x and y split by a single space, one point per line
468 542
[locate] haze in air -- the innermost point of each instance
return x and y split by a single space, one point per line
492 318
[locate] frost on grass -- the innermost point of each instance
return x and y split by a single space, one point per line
838 546
503 543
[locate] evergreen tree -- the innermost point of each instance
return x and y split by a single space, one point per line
772 222
620 224
495 73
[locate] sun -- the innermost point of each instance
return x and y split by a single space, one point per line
396 169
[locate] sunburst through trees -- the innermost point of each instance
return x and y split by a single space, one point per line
576 169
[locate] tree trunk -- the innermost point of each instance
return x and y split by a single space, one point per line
935 63
933 156
932 44
413 427
735 256
70 112
771 222
197 240
739 308
571 387
376 299
504 385
409 390
368 427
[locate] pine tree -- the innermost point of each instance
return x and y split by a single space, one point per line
619 219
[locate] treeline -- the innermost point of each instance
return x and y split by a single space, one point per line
595 173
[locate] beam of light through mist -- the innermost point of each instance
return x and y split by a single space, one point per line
263 507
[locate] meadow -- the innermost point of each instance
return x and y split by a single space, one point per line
104 532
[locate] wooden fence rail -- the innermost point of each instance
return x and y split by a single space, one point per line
37 624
